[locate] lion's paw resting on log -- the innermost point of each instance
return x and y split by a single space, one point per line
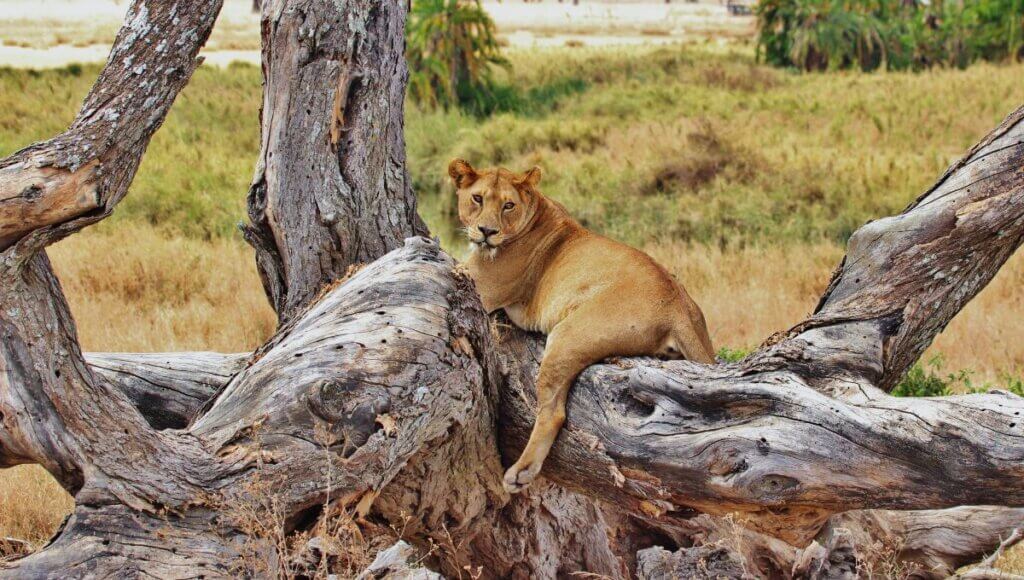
594 297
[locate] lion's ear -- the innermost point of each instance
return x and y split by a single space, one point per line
462 173
531 177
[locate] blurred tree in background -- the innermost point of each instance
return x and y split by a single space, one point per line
816 35
452 51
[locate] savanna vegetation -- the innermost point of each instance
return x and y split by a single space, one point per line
817 35
743 179
724 169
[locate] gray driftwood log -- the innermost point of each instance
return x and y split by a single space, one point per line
388 391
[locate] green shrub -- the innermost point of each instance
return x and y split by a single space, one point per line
816 35
729 355
452 50
923 380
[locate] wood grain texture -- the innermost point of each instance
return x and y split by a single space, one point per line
929 544
665 437
698 562
331 188
167 388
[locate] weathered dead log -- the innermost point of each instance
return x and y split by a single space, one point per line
929 544
986 568
700 562
925 544
167 388
664 437
331 188
398 563
372 396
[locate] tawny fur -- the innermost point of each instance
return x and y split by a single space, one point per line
594 297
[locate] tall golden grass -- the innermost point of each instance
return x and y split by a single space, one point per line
748 294
133 289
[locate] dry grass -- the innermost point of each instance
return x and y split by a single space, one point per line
32 504
333 545
133 289
748 294
1012 561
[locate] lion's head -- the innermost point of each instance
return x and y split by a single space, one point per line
495 205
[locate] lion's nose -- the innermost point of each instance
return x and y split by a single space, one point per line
487 232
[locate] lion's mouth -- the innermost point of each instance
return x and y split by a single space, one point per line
485 247
484 244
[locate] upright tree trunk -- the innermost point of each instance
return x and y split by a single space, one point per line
331 187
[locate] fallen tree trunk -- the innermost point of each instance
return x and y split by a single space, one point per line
372 397
385 395
667 437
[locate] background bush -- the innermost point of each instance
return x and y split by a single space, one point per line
816 35
452 48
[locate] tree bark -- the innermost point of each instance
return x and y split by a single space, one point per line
386 393
331 188
928 545
167 388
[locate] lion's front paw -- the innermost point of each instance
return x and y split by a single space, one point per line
518 478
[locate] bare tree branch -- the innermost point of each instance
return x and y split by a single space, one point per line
54 188
986 568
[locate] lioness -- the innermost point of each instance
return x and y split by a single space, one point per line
592 296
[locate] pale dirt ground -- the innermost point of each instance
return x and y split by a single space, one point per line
53 33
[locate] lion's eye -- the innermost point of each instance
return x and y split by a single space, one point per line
509 205
478 199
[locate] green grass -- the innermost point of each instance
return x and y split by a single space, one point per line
678 143
648 145
195 175
926 379
684 144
